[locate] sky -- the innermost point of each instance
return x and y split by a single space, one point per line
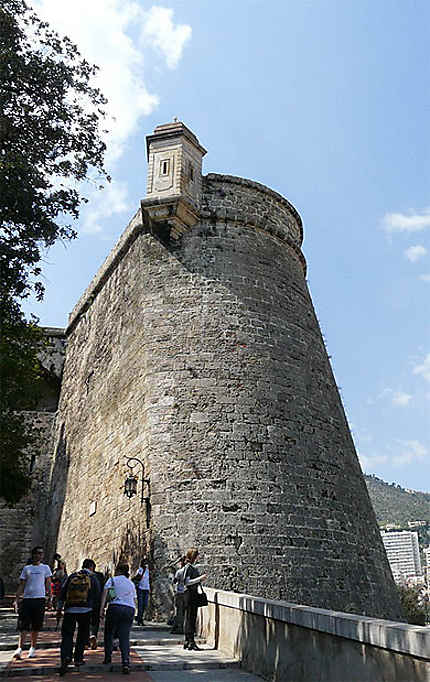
328 103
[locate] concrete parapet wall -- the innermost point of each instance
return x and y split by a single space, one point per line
286 642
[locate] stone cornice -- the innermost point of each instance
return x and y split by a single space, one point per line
252 184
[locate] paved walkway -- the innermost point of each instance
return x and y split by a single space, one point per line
156 656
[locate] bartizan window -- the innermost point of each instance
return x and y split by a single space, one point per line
190 172
165 167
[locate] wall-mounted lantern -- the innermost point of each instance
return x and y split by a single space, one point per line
131 485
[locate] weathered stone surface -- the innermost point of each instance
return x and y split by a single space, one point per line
23 525
203 357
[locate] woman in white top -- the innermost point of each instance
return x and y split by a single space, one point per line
142 590
120 613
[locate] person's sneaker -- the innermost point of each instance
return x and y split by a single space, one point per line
31 652
63 668
93 642
126 670
18 653
79 663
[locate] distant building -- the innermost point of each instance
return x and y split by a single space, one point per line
427 564
403 554
390 526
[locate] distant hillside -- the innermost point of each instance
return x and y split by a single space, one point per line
394 504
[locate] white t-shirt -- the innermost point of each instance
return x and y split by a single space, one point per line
125 590
144 581
34 577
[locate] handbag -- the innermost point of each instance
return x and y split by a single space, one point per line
200 599
111 593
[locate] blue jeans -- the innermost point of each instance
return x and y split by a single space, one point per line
119 620
142 603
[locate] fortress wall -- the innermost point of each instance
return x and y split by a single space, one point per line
252 460
204 358
101 416
20 528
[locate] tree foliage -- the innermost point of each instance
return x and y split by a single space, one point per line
50 143
414 604
394 504
20 377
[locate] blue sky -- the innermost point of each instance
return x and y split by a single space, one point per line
325 101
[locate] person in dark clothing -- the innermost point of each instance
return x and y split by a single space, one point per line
178 581
79 595
95 614
95 620
192 579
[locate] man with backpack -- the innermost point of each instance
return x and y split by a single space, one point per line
79 595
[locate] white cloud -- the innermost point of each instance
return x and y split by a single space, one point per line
423 369
398 398
399 222
414 253
106 33
162 33
425 278
413 450
102 205
401 399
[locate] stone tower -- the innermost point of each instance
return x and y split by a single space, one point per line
196 348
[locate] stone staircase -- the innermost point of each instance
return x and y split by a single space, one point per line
154 650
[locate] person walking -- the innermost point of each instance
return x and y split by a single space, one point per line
95 616
79 595
120 614
58 577
178 581
192 579
35 588
143 588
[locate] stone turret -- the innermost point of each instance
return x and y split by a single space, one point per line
197 349
174 184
